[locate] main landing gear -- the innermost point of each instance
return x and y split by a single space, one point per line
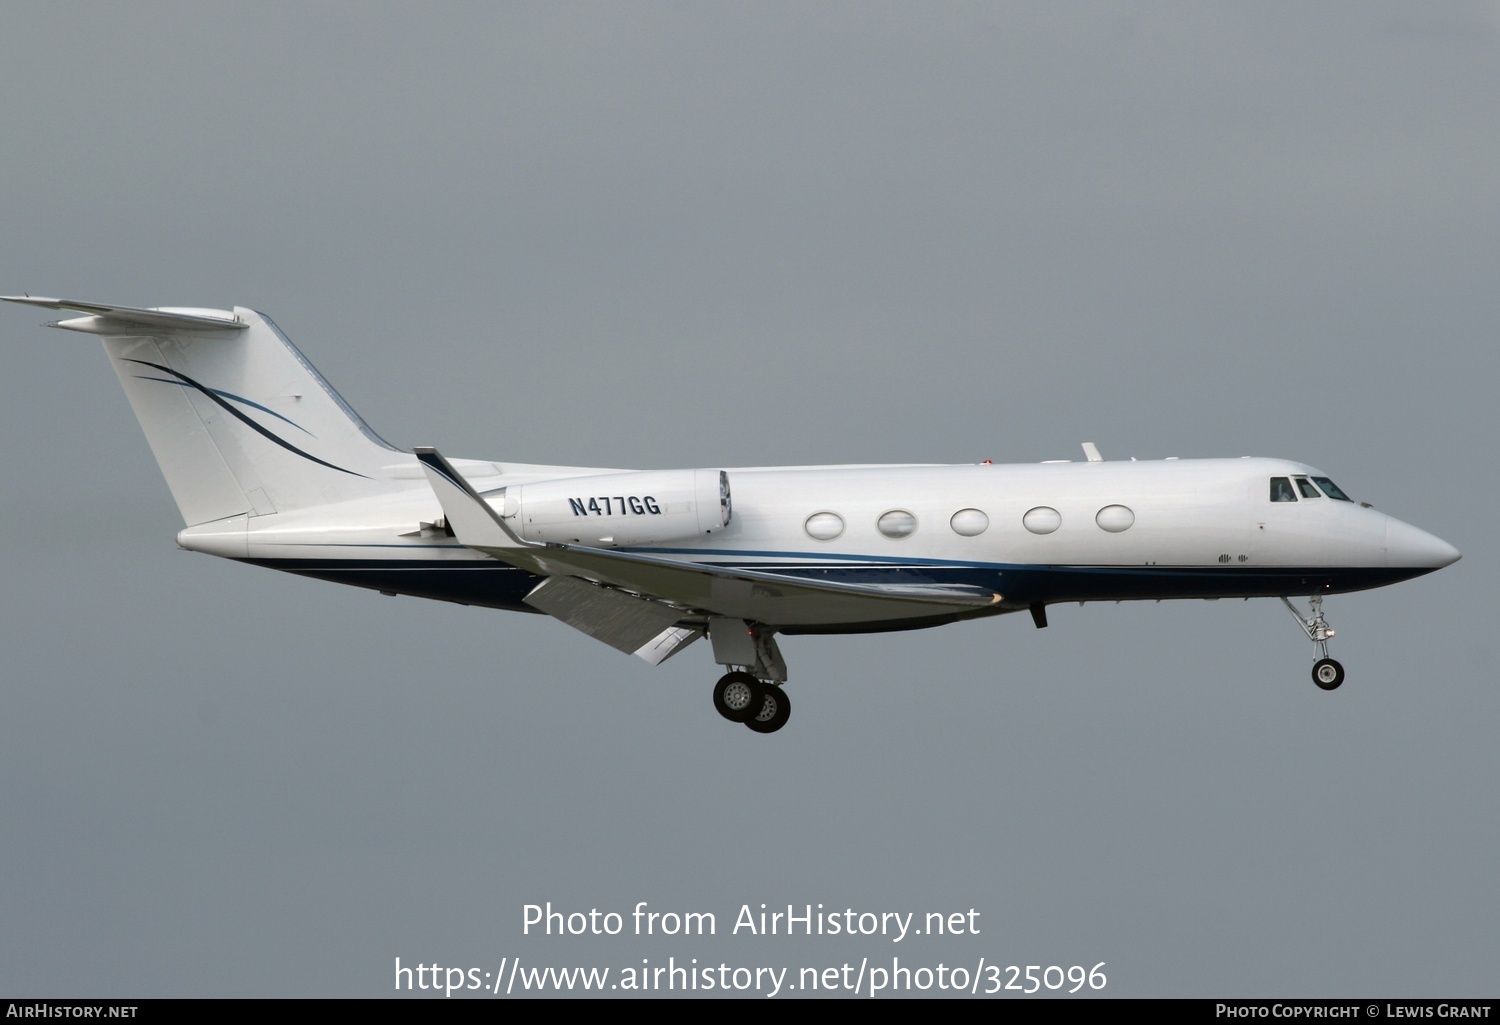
1327 673
740 697
751 691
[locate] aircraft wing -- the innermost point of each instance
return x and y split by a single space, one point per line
675 588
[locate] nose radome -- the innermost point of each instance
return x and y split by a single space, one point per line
1406 545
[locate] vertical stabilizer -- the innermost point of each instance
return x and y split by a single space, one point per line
239 421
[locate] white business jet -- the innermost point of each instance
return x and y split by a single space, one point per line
269 466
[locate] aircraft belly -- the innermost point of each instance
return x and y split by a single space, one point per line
1051 584
482 582
1021 586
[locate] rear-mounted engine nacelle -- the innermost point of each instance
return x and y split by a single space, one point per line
615 509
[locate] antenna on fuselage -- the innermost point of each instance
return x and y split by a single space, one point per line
1092 452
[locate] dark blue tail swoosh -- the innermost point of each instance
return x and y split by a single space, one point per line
257 428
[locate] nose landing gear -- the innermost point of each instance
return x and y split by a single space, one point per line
1327 673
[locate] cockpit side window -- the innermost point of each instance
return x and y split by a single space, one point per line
1308 491
1281 490
1331 489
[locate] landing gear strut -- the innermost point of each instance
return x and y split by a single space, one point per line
1327 673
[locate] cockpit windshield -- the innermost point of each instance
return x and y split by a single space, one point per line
1286 489
1331 489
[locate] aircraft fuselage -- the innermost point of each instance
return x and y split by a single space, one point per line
1035 534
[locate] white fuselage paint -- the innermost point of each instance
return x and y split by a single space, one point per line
1212 517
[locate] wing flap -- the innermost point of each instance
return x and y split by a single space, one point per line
667 643
623 621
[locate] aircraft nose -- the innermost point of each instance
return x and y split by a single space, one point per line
1406 545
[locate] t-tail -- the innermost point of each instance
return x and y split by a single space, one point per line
239 421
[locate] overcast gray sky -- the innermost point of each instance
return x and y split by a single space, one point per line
665 235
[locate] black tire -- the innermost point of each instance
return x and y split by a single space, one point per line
1327 674
774 710
737 696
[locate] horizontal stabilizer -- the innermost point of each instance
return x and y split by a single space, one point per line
124 320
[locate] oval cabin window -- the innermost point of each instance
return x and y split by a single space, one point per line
824 526
969 522
897 523
1042 520
1114 518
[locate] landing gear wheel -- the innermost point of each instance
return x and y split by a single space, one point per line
1327 673
775 710
737 696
